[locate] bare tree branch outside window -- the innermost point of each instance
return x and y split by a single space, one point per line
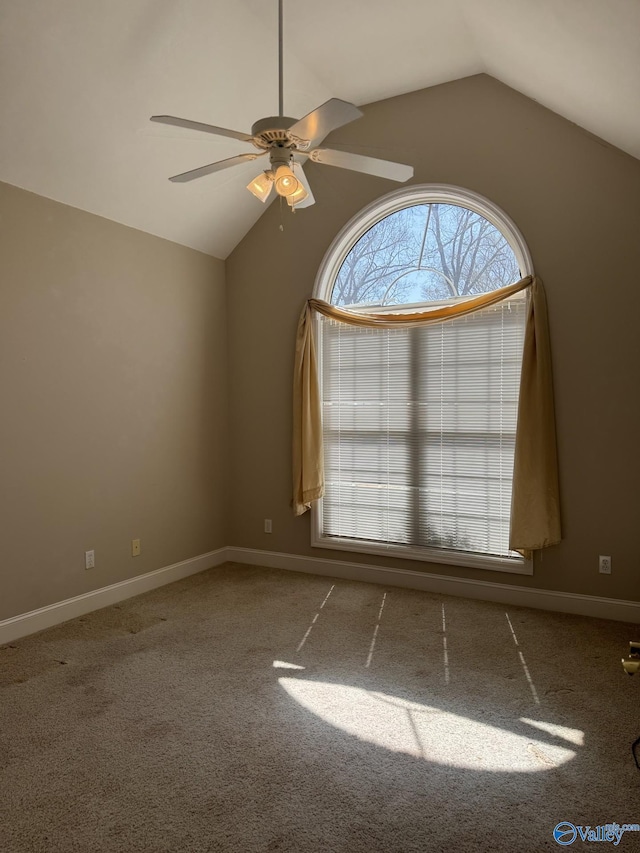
425 253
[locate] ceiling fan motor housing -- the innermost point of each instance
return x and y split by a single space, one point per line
272 131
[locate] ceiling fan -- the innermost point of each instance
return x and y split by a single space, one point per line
289 142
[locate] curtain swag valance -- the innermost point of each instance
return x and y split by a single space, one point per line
535 505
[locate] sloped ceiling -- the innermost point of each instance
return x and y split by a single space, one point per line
80 80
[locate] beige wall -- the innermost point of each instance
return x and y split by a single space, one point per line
114 374
113 401
576 201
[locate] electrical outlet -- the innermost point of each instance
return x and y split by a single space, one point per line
605 565
135 547
268 527
89 559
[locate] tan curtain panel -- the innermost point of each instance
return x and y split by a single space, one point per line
535 509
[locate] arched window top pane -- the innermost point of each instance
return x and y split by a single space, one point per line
429 244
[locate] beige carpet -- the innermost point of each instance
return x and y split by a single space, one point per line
248 709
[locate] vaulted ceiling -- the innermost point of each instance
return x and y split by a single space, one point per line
81 79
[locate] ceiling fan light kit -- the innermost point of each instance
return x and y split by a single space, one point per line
260 186
287 141
299 195
285 181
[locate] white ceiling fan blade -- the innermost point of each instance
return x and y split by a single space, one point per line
205 128
300 175
214 167
360 163
313 128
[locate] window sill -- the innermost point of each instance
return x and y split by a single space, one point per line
513 565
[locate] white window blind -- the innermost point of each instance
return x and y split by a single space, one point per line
419 429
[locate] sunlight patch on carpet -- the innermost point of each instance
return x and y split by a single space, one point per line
433 734
571 735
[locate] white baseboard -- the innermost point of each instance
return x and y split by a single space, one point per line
53 614
564 602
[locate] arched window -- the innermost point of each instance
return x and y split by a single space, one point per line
419 423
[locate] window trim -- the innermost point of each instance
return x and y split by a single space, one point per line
333 259
399 199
